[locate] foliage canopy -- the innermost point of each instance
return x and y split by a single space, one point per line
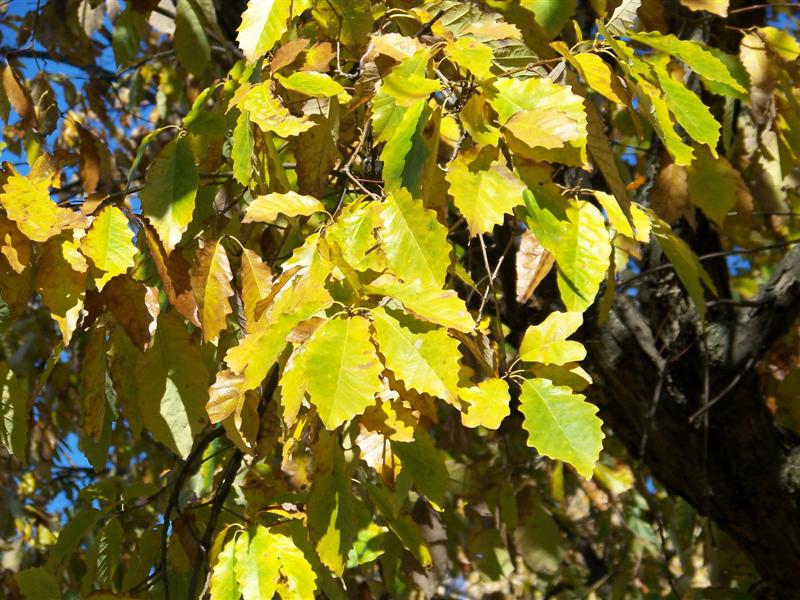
341 297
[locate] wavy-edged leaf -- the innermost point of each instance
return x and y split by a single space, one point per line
561 424
547 342
169 192
425 463
582 256
425 360
484 197
211 282
343 370
533 263
13 412
414 241
15 246
472 55
27 202
109 244
405 154
623 17
488 403
93 383
256 284
266 208
257 564
266 110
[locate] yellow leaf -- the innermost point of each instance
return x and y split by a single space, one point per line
487 404
211 282
109 244
265 209
62 288
17 248
266 111
546 342
256 283
263 23
472 55
717 7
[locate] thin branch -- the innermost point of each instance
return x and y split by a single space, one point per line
760 6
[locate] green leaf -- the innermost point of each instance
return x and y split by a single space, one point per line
265 209
191 42
13 412
561 424
471 55
694 116
550 16
126 39
107 550
488 403
687 265
71 536
707 66
211 283
343 370
224 585
173 385
109 244
242 148
547 342
404 155
263 24
311 83
331 506
415 242
38 583
484 197
168 195
425 463
424 359
582 256
257 565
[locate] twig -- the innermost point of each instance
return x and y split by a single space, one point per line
731 384
760 6
426 27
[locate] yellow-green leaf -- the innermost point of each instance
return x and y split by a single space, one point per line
414 241
256 284
109 244
263 23
265 209
242 147
425 463
342 369
257 565
561 424
311 83
224 585
488 404
191 42
63 289
547 342
267 111
582 256
169 192
13 412
714 186
211 283
424 359
471 55
485 196
93 383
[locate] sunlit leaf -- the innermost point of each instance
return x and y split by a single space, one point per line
265 209
109 244
211 281
488 404
547 342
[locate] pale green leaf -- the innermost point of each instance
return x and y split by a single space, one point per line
263 24
550 16
266 208
488 404
561 424
623 17
582 256
301 581
471 55
405 154
169 192
109 244
13 412
424 359
484 197
211 283
343 370
414 241
257 565
224 585
656 109
107 551
173 385
714 186
547 342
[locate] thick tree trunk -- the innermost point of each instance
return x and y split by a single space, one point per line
731 462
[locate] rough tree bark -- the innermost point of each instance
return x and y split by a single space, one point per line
731 462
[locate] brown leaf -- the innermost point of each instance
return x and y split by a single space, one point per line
135 306
286 54
90 160
533 264
174 272
93 383
303 331
315 152
19 97
670 196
